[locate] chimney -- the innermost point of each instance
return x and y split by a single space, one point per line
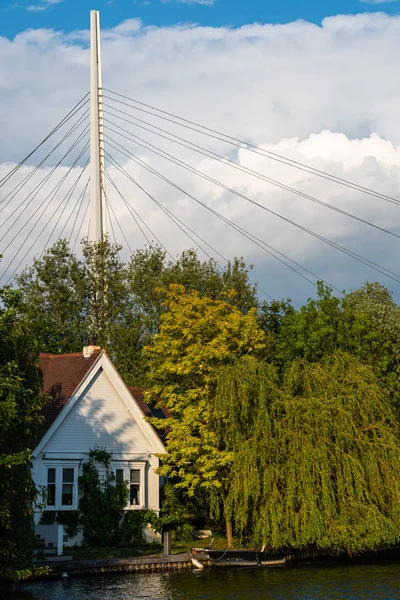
92 347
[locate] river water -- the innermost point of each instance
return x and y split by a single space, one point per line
355 582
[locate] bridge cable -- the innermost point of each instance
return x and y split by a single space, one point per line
274 182
37 189
133 213
81 225
119 225
82 197
219 158
260 243
23 182
51 193
171 216
350 253
66 200
71 113
38 219
213 133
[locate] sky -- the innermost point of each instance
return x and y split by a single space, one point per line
69 15
315 82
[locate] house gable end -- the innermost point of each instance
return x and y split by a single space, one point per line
101 412
99 418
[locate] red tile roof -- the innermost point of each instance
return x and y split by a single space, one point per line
62 374
149 408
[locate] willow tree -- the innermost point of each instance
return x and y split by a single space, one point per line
197 335
316 458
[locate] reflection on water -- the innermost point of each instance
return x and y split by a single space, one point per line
357 582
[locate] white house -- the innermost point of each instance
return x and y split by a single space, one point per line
92 407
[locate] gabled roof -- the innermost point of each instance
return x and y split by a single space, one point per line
65 377
151 409
62 374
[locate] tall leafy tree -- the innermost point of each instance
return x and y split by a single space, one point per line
150 274
20 404
197 335
68 300
316 456
377 331
52 298
365 323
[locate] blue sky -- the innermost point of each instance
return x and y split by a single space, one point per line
18 15
325 95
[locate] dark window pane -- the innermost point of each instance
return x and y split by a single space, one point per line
134 494
68 475
135 476
51 494
119 476
67 494
51 475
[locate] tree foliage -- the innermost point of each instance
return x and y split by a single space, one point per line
102 501
20 403
196 336
102 517
284 417
68 300
316 456
51 297
365 323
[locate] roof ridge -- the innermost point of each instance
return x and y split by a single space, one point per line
64 354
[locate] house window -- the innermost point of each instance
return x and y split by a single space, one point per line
133 474
67 496
51 487
134 487
62 487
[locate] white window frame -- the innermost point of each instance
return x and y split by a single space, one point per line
126 466
59 465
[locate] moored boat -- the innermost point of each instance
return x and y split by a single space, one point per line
246 558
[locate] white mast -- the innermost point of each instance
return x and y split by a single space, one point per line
97 229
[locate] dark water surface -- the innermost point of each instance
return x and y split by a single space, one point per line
355 582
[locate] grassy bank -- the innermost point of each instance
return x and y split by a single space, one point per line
178 547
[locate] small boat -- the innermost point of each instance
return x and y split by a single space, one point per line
245 558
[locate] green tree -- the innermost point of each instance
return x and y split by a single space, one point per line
197 335
68 300
365 323
52 299
150 274
377 331
20 404
316 457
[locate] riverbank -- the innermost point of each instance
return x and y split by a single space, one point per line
145 564
158 563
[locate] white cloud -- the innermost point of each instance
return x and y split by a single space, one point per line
327 96
377 1
44 5
204 2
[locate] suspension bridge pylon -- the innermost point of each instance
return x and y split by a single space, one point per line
97 230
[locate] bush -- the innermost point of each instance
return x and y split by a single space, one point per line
102 516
